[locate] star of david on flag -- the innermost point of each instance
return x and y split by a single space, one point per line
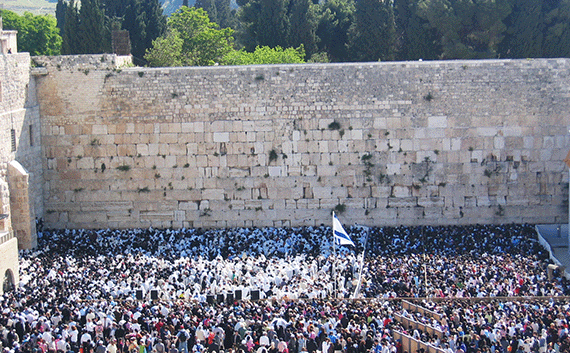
340 235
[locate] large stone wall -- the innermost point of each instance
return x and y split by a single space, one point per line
454 142
20 141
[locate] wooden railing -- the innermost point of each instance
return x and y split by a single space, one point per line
413 324
410 344
411 307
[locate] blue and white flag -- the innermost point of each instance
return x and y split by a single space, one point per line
340 235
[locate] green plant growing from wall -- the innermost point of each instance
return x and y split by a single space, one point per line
426 165
143 190
334 125
340 208
383 178
489 172
273 156
124 168
366 159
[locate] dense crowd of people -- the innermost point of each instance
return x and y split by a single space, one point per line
149 290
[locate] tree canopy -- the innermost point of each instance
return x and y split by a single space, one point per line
266 55
335 30
191 39
37 35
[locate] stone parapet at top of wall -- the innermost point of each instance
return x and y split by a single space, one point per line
83 62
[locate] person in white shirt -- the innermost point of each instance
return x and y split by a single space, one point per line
85 337
112 346
61 345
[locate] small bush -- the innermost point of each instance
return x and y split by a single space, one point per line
334 125
340 208
273 156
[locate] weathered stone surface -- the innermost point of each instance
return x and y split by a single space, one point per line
201 157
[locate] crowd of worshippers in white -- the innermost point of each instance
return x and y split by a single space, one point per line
90 291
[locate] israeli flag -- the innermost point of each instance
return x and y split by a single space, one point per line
340 235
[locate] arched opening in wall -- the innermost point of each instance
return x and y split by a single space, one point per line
8 283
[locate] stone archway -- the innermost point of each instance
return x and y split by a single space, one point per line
8 282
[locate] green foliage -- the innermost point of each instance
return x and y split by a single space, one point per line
372 35
320 57
469 29
524 37
334 125
37 35
145 22
303 24
273 23
557 32
226 17
340 208
191 40
265 55
210 7
273 156
166 51
92 35
84 30
69 41
60 9
335 17
415 38
264 22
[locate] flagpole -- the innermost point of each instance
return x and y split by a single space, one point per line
334 261
357 289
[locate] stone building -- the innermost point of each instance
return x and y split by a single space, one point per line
20 149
